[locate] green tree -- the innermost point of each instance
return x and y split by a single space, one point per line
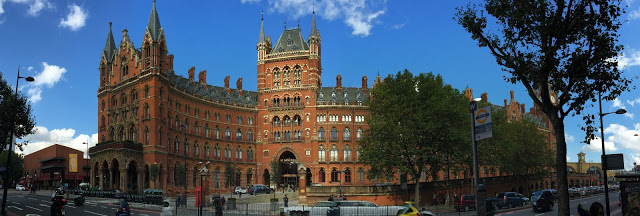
180 175
24 120
564 47
230 171
17 165
153 172
417 124
275 174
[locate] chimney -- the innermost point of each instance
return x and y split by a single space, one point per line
192 70
202 77
522 108
339 83
511 92
505 103
170 58
239 85
468 93
365 87
484 97
226 84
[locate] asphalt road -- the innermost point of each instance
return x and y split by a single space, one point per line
24 204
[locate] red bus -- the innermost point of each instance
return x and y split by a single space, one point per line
26 182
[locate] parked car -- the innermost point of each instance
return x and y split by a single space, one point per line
526 199
573 193
464 202
20 188
509 200
542 200
410 210
123 208
258 188
347 203
153 196
240 190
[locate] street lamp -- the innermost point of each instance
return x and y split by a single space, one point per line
87 159
185 164
203 172
13 125
603 159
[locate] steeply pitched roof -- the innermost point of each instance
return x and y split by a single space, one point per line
154 23
214 93
290 40
110 46
352 95
314 31
261 39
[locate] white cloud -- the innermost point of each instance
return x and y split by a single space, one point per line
633 60
568 158
622 136
635 14
48 77
397 26
628 115
633 102
568 138
30 68
357 14
43 138
75 19
617 103
35 6
249 1
596 145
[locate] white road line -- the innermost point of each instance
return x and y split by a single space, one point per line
45 205
15 207
33 208
103 206
94 213
32 198
70 206
15 203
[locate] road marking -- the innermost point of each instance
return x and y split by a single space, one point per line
32 198
103 206
70 206
94 213
33 208
44 205
15 203
15 208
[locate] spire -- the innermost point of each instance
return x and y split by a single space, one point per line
313 23
261 27
154 23
110 46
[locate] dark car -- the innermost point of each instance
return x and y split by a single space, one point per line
509 200
542 200
153 196
464 202
118 194
123 208
254 189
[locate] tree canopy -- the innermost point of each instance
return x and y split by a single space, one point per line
417 124
568 48
17 165
20 113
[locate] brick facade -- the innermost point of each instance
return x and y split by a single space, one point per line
43 164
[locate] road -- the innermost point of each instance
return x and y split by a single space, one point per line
573 204
22 203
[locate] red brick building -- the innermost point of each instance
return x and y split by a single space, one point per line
56 164
149 115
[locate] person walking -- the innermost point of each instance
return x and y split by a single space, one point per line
434 201
223 200
331 197
286 201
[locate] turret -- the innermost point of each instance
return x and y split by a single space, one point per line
154 48
264 48
108 55
314 38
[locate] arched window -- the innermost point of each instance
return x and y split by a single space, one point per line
112 134
146 136
347 134
347 175
360 175
216 178
146 110
169 141
160 137
321 153
334 175
206 130
216 151
146 91
239 153
227 134
250 154
216 132
321 174
206 150
195 176
334 153
250 136
122 134
238 135
177 122
321 134
334 134
186 147
196 149
227 152
359 134
176 145
347 153
196 129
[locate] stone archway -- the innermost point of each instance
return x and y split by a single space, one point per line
115 181
266 177
95 174
105 179
133 177
288 169
309 176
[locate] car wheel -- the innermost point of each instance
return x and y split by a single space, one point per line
466 208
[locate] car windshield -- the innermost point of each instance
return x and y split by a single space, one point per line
406 209
536 195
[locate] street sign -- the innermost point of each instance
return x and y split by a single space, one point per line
482 122
473 106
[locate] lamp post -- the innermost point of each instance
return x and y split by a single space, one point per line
13 125
603 159
185 165
203 172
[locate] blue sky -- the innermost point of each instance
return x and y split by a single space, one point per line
60 43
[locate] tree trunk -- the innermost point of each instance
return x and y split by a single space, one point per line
416 194
561 166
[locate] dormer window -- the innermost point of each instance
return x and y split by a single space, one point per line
280 49
289 42
294 48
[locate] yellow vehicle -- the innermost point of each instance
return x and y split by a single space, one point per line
410 210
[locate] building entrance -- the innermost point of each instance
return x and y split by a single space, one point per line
288 169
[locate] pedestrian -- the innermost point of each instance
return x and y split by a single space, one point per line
223 200
344 197
286 201
178 201
294 188
582 211
331 197
434 201
447 199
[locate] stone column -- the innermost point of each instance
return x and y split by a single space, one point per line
110 180
91 178
100 179
140 182
123 180
302 191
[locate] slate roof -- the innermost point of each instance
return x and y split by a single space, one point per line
352 95
290 40
214 93
154 23
261 39
314 31
110 46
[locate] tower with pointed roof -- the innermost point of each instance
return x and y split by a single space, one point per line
108 55
154 46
